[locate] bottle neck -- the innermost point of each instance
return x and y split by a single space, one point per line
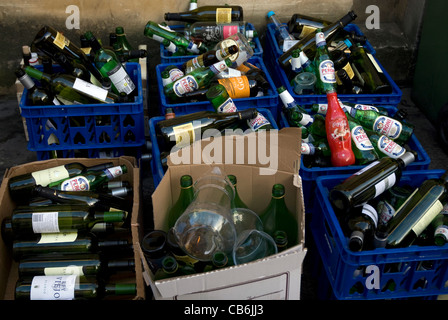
111 216
120 289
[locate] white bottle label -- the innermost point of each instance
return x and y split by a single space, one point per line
390 148
227 106
79 183
368 210
365 107
326 72
288 44
258 122
45 222
113 172
68 270
366 168
307 148
47 176
218 67
53 287
361 139
442 230
175 74
431 213
307 120
385 184
121 80
57 237
385 211
185 84
387 126
90 89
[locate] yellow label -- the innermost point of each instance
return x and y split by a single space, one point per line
237 87
223 15
306 30
432 212
47 176
86 50
184 134
68 270
61 41
58 237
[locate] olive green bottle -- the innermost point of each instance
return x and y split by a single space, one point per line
185 198
237 202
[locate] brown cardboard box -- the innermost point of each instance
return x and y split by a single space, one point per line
274 277
8 267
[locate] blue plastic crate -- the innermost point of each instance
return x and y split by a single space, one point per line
156 165
269 101
93 153
166 57
309 175
347 270
82 126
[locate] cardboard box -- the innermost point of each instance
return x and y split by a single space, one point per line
274 277
9 267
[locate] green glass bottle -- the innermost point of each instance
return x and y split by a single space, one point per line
277 216
384 146
197 79
281 240
398 131
301 25
219 260
21 186
38 96
71 90
369 182
171 268
154 247
416 214
361 145
58 218
440 227
208 58
173 49
110 67
236 202
325 73
123 42
186 196
70 287
91 180
362 226
219 14
91 265
296 114
319 147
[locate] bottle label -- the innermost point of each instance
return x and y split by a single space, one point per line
65 271
385 184
320 39
223 15
390 148
113 172
361 139
47 176
166 28
53 287
307 148
193 47
387 126
218 67
45 222
184 134
258 122
296 66
288 44
306 120
369 211
228 31
385 211
326 72
237 87
227 106
185 84
366 168
365 107
430 214
375 64
121 80
90 89
57 237
322 108
197 62
60 40
78 183
306 30
176 74
339 130
441 230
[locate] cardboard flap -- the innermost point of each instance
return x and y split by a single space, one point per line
259 149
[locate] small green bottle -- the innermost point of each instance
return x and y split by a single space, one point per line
171 268
185 197
361 145
278 217
281 240
326 79
219 260
237 202
440 227
123 42
384 146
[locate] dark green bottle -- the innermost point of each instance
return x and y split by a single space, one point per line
219 260
281 240
37 96
185 198
277 216
236 202
123 42
362 146
171 268
440 227
219 14
325 73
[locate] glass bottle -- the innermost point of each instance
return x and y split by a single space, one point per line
245 51
245 86
173 49
110 67
171 268
319 147
59 218
123 42
398 131
21 186
211 31
308 44
281 240
182 130
223 103
51 42
236 202
174 72
296 65
219 260
361 145
301 25
384 146
362 226
416 214
71 90
277 216
209 58
297 115
219 14
70 287
281 31
37 96
440 227
154 247
185 198
180 255
369 182
82 264
326 77
195 80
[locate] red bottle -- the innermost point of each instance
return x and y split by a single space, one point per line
338 133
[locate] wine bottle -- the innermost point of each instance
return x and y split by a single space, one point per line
71 90
362 226
245 86
59 218
154 247
369 182
440 227
123 42
21 186
210 31
66 243
308 44
90 265
69 287
301 25
171 268
37 96
51 42
209 58
398 131
281 240
281 31
110 67
195 80
90 180
277 216
237 202
129 56
338 133
223 103
326 76
415 215
219 14
185 198
219 260
182 130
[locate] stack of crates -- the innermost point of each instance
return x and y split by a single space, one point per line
87 130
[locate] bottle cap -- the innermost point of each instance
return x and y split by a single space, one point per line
408 157
270 13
